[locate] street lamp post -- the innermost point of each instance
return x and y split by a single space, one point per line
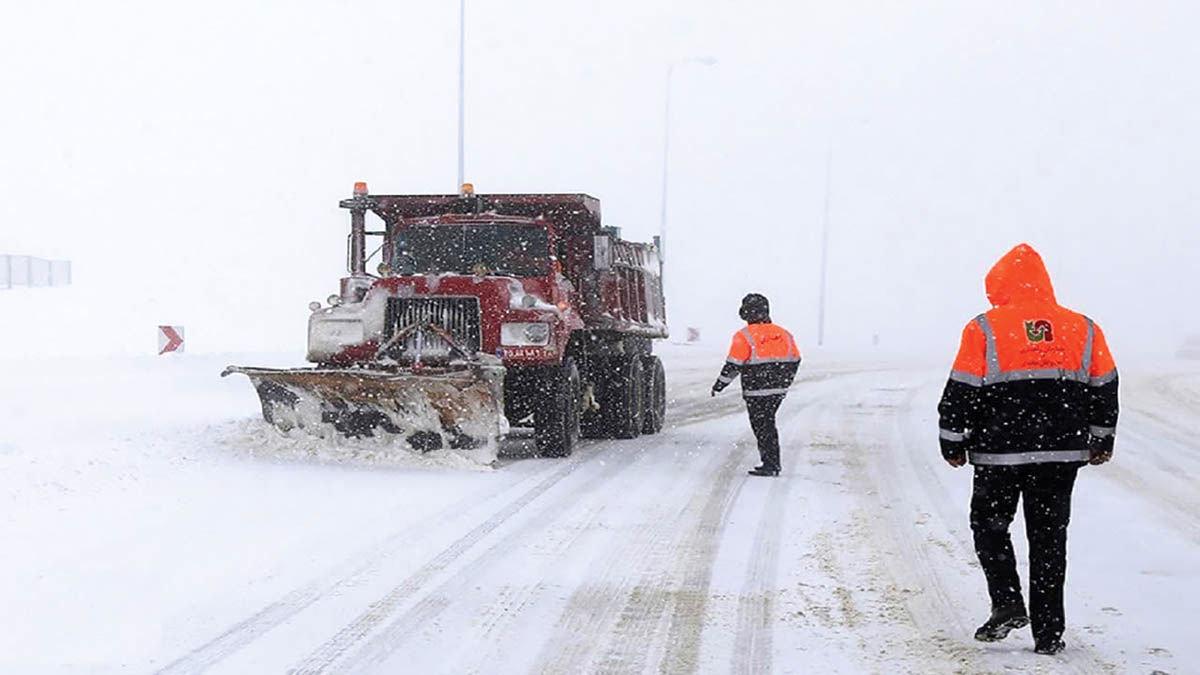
825 247
462 79
666 163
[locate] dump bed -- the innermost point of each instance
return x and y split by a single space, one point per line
572 214
622 284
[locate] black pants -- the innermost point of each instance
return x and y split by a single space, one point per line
762 411
1046 490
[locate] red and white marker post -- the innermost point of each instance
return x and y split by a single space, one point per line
170 339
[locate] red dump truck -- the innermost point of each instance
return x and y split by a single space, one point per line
486 311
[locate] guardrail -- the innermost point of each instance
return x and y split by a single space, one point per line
28 271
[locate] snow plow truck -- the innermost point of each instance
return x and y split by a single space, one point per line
485 312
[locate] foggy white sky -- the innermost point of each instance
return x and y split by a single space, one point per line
189 157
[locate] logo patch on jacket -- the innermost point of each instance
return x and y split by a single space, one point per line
1040 330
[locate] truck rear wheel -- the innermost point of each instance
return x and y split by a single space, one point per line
556 418
655 400
624 408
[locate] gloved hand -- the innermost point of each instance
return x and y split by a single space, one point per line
714 391
1101 449
954 450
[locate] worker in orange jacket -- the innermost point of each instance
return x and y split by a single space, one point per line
1032 397
766 357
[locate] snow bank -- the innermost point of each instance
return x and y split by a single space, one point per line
132 488
51 406
255 438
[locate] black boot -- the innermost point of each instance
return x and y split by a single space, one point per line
1002 621
763 471
1049 647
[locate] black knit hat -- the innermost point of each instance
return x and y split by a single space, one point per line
755 309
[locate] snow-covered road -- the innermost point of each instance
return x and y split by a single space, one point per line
151 524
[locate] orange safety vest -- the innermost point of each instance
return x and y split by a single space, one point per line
763 343
766 357
1028 335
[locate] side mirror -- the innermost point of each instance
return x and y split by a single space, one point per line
602 252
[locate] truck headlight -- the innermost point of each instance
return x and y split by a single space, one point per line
522 334
334 334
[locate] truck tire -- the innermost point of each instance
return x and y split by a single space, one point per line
556 419
624 407
655 398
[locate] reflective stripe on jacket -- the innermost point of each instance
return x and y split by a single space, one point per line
1033 381
766 357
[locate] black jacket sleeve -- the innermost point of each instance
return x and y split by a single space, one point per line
728 374
958 410
956 417
1103 404
1103 409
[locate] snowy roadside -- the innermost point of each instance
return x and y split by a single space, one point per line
129 483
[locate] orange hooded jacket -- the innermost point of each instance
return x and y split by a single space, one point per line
765 355
1033 381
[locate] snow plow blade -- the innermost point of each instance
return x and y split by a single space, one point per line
456 406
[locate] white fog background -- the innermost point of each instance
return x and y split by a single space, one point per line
188 157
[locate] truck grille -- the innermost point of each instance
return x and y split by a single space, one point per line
459 316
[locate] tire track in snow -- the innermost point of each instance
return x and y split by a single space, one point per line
851 581
752 652
380 647
598 607
1177 506
685 590
1166 429
592 606
351 573
1158 441
936 611
628 606
690 602
382 611
833 600
1162 444
646 601
891 491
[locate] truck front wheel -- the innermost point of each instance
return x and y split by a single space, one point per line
556 418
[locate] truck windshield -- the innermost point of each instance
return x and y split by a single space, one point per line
488 249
